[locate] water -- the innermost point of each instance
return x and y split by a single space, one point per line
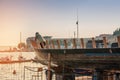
25 70
22 71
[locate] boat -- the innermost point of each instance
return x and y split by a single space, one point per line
76 57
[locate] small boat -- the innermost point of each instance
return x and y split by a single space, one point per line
75 57
21 58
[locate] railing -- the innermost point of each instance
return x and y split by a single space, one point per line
75 43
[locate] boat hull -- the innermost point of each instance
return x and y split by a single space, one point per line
94 57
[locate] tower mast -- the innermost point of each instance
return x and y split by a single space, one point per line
77 23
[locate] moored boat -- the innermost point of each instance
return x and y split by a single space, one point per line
74 56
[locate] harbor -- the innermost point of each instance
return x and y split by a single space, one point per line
75 63
64 59
59 40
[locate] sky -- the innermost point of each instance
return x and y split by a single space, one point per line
56 18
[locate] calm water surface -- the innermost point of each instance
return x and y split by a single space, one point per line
21 71
24 70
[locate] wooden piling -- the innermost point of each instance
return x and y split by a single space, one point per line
82 43
74 43
49 66
118 39
105 75
58 43
52 42
93 43
65 43
47 45
42 45
111 77
105 42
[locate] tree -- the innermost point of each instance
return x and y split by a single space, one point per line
116 32
21 45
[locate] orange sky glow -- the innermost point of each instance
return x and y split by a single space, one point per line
56 18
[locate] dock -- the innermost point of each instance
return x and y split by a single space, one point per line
14 61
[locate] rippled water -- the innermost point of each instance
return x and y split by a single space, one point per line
22 71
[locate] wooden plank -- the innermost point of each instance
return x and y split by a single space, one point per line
82 43
34 44
47 45
52 42
58 44
65 43
118 39
49 66
93 43
74 43
42 44
15 61
105 42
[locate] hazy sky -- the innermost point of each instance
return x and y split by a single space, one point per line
56 18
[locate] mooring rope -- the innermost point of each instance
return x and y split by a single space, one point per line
29 68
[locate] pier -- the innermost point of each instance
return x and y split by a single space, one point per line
14 61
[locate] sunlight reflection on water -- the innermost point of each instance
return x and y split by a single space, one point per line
6 70
24 70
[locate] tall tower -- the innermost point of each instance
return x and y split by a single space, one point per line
77 23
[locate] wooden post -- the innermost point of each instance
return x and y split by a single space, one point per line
100 75
58 44
42 45
82 43
105 42
118 39
53 46
41 75
105 75
111 77
49 65
93 43
47 45
74 43
65 43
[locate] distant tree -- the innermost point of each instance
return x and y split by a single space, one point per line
116 32
21 45
14 49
